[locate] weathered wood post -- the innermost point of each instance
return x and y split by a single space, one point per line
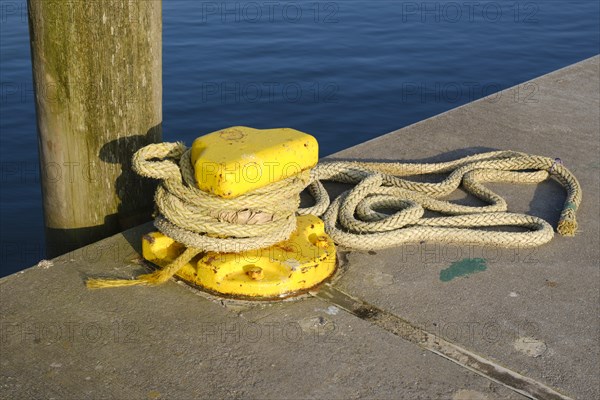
97 71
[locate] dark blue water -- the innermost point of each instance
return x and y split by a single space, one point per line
344 71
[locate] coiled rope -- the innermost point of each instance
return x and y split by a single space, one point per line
263 217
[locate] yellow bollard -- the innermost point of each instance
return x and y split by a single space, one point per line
303 261
235 161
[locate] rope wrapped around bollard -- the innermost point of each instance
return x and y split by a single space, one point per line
263 217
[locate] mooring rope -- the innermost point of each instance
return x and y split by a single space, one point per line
199 219
352 220
258 219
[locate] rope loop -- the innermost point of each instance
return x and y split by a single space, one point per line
352 218
266 216
207 222
166 168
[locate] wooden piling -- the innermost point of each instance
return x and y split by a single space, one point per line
97 71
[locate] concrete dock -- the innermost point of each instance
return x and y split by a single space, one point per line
532 311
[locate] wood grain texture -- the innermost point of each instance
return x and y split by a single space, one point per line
97 70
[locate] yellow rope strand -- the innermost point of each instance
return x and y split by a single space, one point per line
152 279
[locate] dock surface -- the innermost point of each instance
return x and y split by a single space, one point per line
533 311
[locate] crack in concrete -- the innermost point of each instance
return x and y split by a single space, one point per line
406 330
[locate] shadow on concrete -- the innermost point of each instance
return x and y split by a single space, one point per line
442 157
548 201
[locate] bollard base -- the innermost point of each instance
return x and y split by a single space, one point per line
293 266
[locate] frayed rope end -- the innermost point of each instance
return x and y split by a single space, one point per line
567 224
152 279
567 227
110 283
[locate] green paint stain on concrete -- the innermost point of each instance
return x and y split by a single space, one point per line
463 267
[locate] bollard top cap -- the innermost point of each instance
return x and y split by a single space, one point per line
237 160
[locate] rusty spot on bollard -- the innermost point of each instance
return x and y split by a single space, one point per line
255 273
